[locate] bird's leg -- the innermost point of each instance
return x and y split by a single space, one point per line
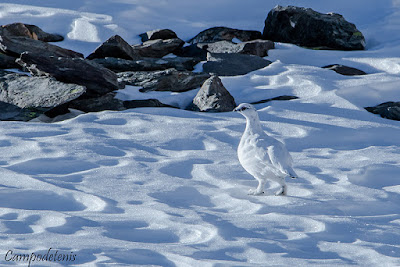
283 190
260 188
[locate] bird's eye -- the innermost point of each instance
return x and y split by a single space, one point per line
244 108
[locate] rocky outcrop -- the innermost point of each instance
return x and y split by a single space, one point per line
388 110
193 50
147 64
344 70
306 27
30 31
216 34
163 34
165 80
225 64
15 46
37 94
213 97
158 48
115 47
97 79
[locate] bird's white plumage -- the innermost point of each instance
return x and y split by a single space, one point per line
261 155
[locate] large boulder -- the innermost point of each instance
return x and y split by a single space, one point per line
216 34
165 80
306 27
115 47
97 79
226 64
147 63
16 45
158 48
213 97
37 94
389 110
163 34
344 70
30 31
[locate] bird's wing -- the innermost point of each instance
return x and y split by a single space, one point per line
281 158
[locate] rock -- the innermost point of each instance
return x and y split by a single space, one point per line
306 27
7 62
37 94
97 79
216 34
389 110
344 70
15 46
163 34
31 31
145 103
281 98
164 80
256 47
115 47
96 104
109 102
12 112
193 51
158 48
224 64
213 97
147 64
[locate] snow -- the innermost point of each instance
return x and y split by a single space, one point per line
160 186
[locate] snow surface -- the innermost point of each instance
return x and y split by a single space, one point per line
159 186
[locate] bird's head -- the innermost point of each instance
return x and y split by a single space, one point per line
246 110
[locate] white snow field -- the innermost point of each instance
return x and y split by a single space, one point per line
164 187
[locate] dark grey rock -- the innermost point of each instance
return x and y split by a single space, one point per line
193 51
116 47
344 70
163 34
256 47
213 97
96 104
44 36
36 93
30 31
216 34
306 27
389 110
97 79
145 103
164 80
158 48
147 64
280 98
109 102
11 112
15 46
224 64
8 62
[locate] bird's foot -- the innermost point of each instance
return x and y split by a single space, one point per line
255 192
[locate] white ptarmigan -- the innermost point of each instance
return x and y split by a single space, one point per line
261 155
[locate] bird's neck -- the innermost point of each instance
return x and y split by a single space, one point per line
253 125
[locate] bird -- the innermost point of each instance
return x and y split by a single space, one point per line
261 155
